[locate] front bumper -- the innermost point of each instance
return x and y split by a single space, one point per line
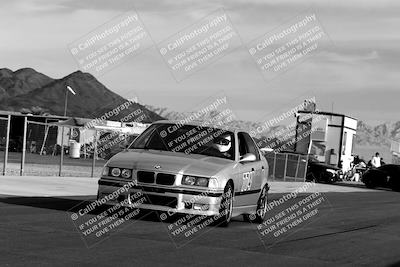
171 199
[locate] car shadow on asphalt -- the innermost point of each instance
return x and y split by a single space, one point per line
70 204
360 185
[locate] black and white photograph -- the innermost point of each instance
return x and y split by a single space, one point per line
200 133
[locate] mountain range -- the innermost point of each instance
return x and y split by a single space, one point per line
29 91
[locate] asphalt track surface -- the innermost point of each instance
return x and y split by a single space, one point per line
356 228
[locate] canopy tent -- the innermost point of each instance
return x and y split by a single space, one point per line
73 122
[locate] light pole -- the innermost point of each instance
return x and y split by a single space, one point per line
69 89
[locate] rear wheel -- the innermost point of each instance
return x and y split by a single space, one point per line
369 184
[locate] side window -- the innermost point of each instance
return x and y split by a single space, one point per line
242 145
252 148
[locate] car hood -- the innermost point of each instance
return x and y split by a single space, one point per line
172 162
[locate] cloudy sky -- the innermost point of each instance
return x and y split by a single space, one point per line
358 74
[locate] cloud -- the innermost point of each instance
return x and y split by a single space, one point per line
363 59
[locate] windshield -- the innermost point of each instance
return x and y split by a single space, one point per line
187 139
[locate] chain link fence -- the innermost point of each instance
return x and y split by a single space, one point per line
287 166
52 149
55 149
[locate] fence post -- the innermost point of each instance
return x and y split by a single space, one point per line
7 144
62 151
305 170
94 153
297 167
273 170
24 146
284 171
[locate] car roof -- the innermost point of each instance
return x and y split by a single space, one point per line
199 123
390 165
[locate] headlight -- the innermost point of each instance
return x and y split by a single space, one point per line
126 173
115 172
188 180
331 171
195 181
201 181
105 171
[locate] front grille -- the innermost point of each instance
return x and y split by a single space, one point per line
171 202
165 179
145 177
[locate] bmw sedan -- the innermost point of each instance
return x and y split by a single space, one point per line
191 169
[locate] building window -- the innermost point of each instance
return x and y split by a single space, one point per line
344 143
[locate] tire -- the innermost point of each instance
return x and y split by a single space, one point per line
226 207
262 205
330 179
369 184
396 186
310 178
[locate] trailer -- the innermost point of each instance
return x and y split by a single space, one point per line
331 137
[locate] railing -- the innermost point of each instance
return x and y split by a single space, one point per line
287 166
37 149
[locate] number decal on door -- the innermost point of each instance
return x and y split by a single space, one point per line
247 181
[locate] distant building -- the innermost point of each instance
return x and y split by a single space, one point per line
395 149
332 136
43 134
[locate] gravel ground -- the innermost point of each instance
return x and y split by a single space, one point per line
52 170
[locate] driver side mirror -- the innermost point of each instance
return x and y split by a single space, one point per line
248 157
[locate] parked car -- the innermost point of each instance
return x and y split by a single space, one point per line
385 176
224 176
321 172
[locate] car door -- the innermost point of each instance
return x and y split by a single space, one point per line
250 176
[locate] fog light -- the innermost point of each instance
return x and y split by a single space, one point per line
201 181
201 206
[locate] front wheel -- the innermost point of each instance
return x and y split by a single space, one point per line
369 184
226 206
262 205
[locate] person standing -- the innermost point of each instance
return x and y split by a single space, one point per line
376 161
